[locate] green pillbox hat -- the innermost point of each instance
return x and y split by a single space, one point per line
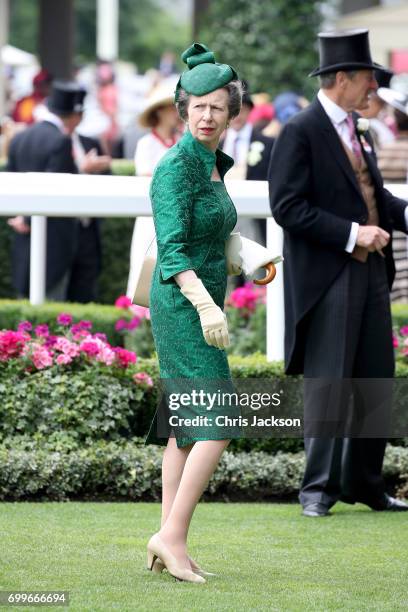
204 74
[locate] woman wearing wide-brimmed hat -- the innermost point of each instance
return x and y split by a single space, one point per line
161 117
193 217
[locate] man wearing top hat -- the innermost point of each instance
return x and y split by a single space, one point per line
327 194
47 146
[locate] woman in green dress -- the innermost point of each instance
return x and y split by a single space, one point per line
193 217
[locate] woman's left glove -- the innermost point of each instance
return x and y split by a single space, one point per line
213 320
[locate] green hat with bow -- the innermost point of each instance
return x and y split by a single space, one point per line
204 74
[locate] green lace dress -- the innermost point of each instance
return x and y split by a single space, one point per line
193 217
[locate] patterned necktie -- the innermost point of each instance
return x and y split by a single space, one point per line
355 145
235 148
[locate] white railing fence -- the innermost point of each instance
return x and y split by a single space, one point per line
42 195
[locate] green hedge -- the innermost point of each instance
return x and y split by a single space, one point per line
59 469
12 312
97 402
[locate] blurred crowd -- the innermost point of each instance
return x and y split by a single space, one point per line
111 112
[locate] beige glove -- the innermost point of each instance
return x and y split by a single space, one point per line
213 320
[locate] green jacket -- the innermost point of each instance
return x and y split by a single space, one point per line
186 208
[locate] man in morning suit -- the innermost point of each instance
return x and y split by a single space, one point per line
327 194
73 245
47 147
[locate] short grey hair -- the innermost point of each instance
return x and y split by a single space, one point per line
328 81
235 90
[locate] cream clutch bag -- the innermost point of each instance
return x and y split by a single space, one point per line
144 276
247 256
243 255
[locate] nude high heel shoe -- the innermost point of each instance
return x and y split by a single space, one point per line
156 549
198 570
158 567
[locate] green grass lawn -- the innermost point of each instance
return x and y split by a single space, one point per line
266 556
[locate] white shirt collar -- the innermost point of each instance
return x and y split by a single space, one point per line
42 113
333 110
244 133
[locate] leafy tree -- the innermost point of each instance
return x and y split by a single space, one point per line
272 44
146 29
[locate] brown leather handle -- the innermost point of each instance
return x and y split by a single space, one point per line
270 274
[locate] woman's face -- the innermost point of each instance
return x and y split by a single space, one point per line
208 117
168 116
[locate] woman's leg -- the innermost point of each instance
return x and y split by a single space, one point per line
174 459
198 469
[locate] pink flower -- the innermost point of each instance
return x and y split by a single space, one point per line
63 359
41 357
24 326
133 323
247 297
87 325
395 342
64 319
42 330
12 344
79 334
78 329
124 357
100 336
404 330
50 341
67 347
121 324
106 355
123 302
90 347
142 379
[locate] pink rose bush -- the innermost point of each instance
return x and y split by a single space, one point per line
134 324
246 298
135 314
37 349
12 344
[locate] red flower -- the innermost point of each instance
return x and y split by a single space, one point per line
124 357
11 344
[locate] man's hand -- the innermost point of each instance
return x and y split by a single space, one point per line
94 163
372 238
19 225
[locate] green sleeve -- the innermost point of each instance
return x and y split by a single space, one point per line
172 201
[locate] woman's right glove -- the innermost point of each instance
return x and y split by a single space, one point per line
213 320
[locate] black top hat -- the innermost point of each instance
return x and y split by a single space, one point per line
346 50
66 97
383 77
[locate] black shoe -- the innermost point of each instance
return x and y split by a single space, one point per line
315 509
395 505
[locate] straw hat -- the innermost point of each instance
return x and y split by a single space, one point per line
162 95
